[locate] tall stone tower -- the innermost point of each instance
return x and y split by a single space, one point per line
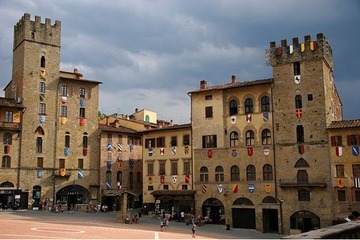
305 101
59 150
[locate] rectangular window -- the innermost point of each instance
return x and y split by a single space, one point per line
63 90
174 168
82 92
130 140
42 108
165 187
80 163
209 141
186 167
336 141
8 117
40 162
356 170
300 133
186 139
63 112
341 194
61 163
120 139
150 142
357 195
109 138
39 145
150 188
160 142
296 68
340 171
41 87
150 169
310 97
303 195
162 168
208 112
184 187
82 113
353 140
174 141
208 97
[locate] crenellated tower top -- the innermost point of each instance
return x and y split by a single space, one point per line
35 31
296 52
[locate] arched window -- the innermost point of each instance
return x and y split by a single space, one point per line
119 177
219 174
265 104
234 139
67 139
204 174
7 138
249 138
108 176
233 107
267 172
42 62
235 173
85 140
6 162
249 106
266 137
250 173
298 101
147 118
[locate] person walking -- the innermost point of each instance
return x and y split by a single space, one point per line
193 229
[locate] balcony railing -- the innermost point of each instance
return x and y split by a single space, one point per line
13 125
293 182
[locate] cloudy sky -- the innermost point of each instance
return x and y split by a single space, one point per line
150 54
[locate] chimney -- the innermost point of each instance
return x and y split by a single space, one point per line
203 84
233 79
78 75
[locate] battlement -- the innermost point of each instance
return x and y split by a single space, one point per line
308 50
35 31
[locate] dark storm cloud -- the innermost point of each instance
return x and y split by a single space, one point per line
149 54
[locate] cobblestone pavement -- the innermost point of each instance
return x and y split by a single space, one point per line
28 224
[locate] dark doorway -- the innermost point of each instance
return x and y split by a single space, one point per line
270 221
244 218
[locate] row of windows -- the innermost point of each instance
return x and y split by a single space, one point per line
249 106
131 140
166 187
119 177
210 141
162 167
6 162
160 141
39 140
342 196
235 173
340 170
350 140
63 90
64 111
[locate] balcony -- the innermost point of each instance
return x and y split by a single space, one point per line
9 125
293 182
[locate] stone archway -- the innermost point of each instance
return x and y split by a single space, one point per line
304 221
213 211
73 194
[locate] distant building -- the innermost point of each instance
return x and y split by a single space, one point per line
167 170
344 139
